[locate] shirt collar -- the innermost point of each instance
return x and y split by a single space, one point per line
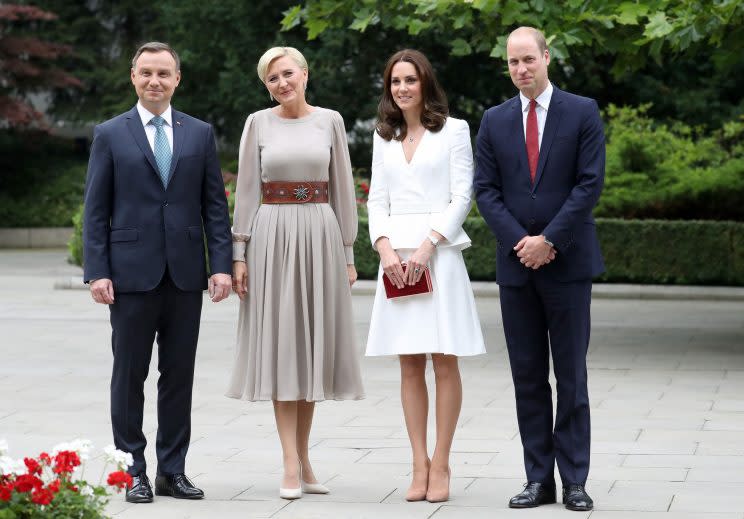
543 99
146 115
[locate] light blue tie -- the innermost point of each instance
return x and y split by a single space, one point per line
163 153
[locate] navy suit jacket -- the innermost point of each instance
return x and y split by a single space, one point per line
569 179
133 227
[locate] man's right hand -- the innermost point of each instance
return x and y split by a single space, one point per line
102 291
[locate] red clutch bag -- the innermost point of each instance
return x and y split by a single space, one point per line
423 286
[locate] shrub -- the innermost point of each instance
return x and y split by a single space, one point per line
671 171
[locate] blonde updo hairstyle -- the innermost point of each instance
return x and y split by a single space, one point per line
278 52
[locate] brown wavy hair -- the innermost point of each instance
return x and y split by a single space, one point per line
390 121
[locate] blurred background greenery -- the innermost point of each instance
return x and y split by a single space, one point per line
666 74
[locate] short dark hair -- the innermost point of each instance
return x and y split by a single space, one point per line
156 46
390 121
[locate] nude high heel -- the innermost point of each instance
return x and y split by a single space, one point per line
438 495
418 494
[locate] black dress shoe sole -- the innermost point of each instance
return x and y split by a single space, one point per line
580 508
170 494
543 502
138 499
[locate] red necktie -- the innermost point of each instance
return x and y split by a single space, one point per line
533 144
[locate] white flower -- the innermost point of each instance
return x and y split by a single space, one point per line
86 491
3 447
79 446
9 466
121 459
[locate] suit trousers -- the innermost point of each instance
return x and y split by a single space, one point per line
541 318
171 316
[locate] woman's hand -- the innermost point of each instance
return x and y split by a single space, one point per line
419 261
240 279
390 262
352 273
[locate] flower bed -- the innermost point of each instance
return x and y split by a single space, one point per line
53 484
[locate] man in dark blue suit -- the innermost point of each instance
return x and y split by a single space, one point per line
540 169
153 189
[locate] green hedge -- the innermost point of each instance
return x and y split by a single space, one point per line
635 251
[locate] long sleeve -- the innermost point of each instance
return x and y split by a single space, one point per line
99 188
248 190
489 193
450 221
590 170
341 188
214 211
378 201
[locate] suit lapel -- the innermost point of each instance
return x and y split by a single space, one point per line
555 110
179 134
134 123
517 132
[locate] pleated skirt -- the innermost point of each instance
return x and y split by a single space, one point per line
296 337
443 321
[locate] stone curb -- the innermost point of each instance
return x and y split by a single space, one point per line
34 237
599 291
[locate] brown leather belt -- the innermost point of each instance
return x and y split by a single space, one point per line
295 192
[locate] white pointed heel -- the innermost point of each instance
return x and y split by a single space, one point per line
314 488
290 493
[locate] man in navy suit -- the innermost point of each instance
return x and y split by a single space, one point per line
540 169
153 190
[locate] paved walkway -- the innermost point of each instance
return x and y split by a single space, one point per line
666 386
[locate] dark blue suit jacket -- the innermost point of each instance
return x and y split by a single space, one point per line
569 179
133 227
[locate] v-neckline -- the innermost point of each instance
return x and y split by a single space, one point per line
413 155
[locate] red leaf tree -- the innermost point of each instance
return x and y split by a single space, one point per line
27 64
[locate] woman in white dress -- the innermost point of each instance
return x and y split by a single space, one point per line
420 194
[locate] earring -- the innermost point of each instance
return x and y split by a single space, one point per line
304 85
271 97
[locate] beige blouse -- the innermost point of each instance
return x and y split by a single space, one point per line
311 148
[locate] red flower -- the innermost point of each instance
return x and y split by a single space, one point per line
6 491
44 457
364 187
54 486
42 496
33 466
65 462
27 483
227 193
119 479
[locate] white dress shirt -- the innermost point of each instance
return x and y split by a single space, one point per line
150 129
543 102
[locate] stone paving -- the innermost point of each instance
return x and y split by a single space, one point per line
666 386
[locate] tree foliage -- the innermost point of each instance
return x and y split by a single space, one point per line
630 31
27 64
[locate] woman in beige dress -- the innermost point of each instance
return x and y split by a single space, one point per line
294 228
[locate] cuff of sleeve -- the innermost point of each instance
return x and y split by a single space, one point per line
349 253
239 250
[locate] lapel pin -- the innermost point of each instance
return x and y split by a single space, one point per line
178 123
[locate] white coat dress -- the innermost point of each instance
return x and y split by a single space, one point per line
406 202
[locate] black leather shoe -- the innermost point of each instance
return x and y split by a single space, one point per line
576 498
178 486
140 490
534 494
